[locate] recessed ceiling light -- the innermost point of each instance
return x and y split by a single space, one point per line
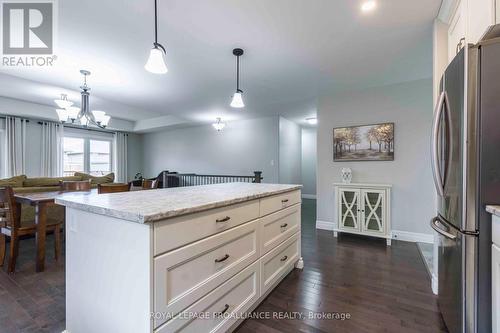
368 5
312 121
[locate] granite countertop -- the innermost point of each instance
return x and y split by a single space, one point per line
154 205
495 210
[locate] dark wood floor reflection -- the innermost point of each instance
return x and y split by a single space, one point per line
384 289
33 302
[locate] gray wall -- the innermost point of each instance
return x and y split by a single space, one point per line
290 151
409 106
309 157
241 148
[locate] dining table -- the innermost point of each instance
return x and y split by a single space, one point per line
41 201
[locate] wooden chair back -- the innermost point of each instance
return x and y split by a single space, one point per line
113 188
73 186
8 208
149 184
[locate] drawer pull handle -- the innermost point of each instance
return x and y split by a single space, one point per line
226 307
285 258
227 218
284 200
284 225
222 259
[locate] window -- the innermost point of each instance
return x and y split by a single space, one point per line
74 159
89 153
100 157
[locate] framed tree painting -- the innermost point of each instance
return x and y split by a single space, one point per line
364 143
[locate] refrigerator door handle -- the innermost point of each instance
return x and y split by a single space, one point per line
435 223
438 180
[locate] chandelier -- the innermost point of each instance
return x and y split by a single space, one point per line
81 116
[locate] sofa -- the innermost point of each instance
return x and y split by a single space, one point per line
23 184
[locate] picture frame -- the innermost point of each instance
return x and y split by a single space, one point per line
374 142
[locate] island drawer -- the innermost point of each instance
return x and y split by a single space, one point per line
176 232
276 262
279 226
183 276
277 202
233 299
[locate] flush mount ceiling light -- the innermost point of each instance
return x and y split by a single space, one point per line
63 102
219 125
83 116
156 62
312 121
368 6
237 101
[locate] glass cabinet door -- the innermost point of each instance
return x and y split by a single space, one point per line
373 210
349 209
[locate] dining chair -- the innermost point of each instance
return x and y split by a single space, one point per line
113 188
11 225
149 184
73 186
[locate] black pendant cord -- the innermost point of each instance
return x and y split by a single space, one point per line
156 22
237 73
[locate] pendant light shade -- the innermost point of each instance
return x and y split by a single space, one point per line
219 125
72 113
62 114
237 101
157 63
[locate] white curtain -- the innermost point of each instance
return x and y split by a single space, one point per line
52 150
15 144
120 158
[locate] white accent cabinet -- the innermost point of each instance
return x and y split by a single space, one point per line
364 209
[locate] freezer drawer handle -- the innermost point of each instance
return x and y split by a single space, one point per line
435 222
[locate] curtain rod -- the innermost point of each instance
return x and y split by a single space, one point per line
83 128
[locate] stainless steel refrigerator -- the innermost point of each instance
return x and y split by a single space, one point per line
466 167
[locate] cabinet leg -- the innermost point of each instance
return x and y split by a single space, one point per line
389 241
300 264
335 234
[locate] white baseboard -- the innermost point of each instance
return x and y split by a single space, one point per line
412 236
309 196
396 234
325 225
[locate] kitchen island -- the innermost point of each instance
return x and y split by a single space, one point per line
191 259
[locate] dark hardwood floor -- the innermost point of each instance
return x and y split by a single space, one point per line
33 302
382 289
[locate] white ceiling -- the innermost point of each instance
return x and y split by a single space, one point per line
294 49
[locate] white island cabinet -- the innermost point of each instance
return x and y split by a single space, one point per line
192 259
495 268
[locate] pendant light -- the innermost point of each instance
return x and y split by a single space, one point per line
237 101
156 63
219 125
